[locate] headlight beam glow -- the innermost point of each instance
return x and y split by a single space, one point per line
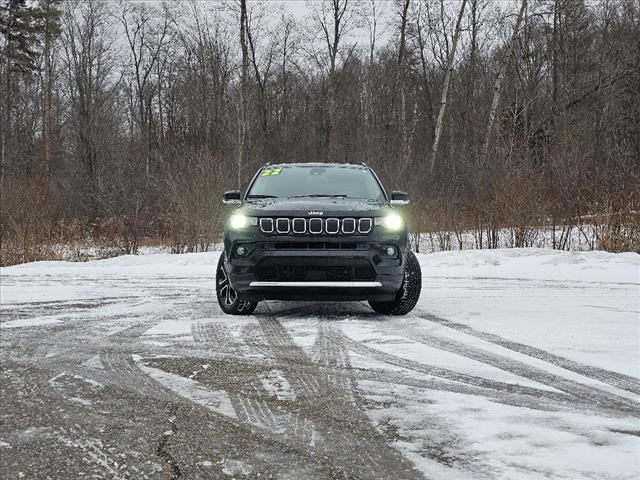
238 221
393 222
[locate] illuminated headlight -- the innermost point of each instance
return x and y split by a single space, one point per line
392 222
239 221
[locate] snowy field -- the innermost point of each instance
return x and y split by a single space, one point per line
516 364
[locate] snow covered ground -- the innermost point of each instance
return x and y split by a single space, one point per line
519 363
583 237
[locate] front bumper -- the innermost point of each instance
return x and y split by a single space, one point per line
290 272
314 284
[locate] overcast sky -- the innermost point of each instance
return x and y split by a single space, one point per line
304 8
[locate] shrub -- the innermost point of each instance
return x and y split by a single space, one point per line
27 216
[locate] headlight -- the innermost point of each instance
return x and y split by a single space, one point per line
238 221
393 222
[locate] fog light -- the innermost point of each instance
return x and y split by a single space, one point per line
241 251
391 251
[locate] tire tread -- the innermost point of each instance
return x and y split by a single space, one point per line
409 293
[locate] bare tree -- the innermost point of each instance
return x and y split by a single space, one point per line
407 126
373 18
91 80
262 72
50 26
145 40
497 89
286 51
445 87
244 79
139 133
335 19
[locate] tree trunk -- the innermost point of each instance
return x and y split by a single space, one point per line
46 101
497 89
406 139
261 80
425 77
445 88
242 131
7 115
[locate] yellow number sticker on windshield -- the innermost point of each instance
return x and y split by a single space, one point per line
271 171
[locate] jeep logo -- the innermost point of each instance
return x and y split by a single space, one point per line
315 213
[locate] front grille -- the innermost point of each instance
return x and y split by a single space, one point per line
315 246
312 270
283 225
315 226
364 274
292 274
305 274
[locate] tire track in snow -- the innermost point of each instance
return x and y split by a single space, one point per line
126 372
327 363
354 444
226 431
585 393
123 367
75 340
512 399
261 421
67 335
335 368
213 337
386 376
615 379
253 403
332 354
77 427
148 397
253 409
250 405
447 374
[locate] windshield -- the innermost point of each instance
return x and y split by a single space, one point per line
282 181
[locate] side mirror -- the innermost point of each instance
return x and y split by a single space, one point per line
399 198
232 196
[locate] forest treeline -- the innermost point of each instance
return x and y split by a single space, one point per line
123 122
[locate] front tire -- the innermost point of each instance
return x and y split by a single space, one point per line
409 293
228 299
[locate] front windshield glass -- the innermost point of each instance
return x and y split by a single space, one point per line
282 181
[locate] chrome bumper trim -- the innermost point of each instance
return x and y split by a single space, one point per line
317 284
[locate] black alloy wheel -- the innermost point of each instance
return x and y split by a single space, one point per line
228 299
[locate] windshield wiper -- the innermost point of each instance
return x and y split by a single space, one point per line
261 196
320 195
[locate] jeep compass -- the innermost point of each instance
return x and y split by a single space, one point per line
317 231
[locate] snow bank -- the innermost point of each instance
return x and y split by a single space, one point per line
135 265
534 264
525 263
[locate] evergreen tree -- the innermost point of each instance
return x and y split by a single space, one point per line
27 31
21 31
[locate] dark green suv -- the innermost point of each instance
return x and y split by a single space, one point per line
317 231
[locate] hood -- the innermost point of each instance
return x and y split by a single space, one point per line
302 207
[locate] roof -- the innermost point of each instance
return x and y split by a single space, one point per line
316 164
